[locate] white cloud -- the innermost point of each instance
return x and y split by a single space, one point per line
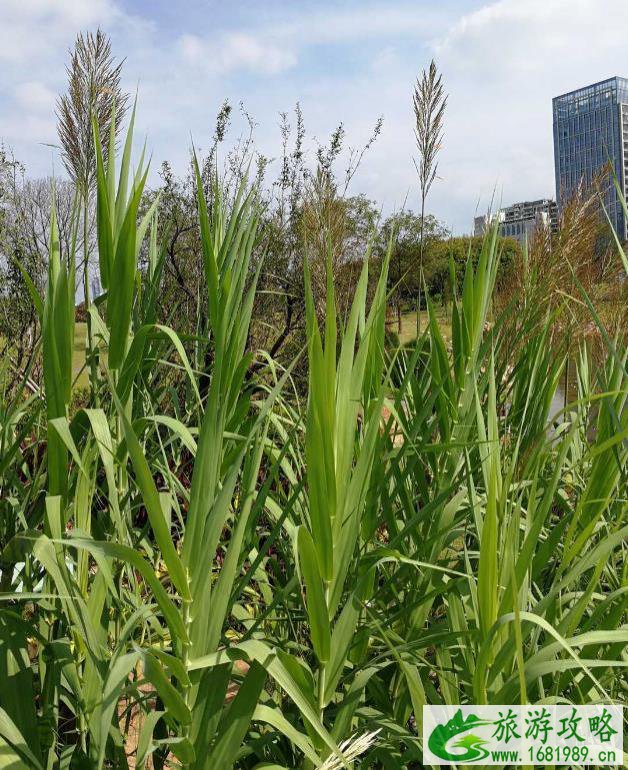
35 36
537 36
30 29
274 47
367 21
236 51
34 95
72 12
503 63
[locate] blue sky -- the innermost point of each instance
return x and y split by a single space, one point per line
344 61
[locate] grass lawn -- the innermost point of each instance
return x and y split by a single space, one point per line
407 335
78 356
408 324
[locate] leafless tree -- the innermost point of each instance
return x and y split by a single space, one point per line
28 220
25 206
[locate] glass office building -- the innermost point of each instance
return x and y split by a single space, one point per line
591 130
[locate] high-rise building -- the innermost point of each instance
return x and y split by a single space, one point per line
521 220
590 132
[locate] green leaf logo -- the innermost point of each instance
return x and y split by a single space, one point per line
439 740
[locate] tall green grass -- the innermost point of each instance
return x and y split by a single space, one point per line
244 576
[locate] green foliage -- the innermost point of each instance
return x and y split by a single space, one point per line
440 253
441 250
249 578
